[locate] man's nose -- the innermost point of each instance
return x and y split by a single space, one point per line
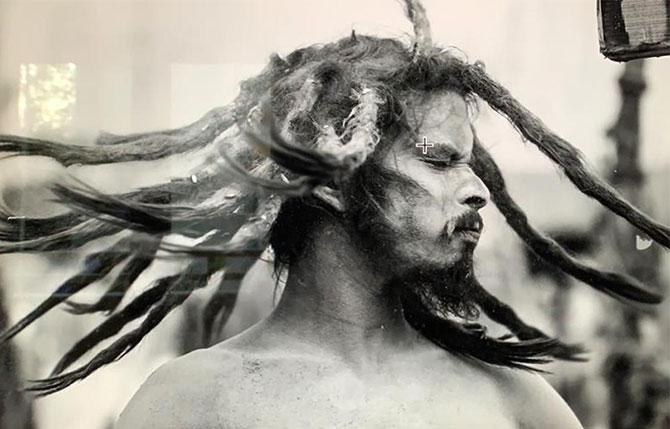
472 192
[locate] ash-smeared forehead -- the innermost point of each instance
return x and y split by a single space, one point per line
443 118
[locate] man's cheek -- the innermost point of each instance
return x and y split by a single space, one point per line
400 211
408 218
429 216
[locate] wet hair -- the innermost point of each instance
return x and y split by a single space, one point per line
294 142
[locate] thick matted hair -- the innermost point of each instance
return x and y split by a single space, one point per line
301 129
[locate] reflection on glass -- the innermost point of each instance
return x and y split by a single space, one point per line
47 93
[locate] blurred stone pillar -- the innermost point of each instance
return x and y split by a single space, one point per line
637 388
15 407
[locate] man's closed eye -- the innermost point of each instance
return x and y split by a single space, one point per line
439 163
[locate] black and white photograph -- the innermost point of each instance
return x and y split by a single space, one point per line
334 214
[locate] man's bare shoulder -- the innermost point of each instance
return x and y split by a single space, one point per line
185 392
535 403
208 387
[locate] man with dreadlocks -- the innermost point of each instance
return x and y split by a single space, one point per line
324 157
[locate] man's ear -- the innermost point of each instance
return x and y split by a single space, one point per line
330 196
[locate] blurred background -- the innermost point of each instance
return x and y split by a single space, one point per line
70 69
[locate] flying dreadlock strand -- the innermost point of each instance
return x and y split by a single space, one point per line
187 191
150 219
145 217
254 233
229 203
225 211
107 138
328 142
472 342
361 125
106 207
619 286
54 233
153 146
265 170
558 150
147 149
162 219
209 194
502 313
14 229
261 175
262 133
139 262
69 239
217 311
195 276
323 166
96 267
182 191
18 229
299 186
417 14
250 238
221 304
184 133
115 322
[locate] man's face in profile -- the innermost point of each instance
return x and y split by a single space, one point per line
437 223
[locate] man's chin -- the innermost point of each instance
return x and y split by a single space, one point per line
448 287
454 268
441 259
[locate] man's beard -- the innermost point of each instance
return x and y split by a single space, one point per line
445 290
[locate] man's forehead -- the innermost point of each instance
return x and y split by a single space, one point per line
442 118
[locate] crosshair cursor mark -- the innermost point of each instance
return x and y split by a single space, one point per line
424 145
642 243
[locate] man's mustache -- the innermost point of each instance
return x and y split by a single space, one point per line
470 220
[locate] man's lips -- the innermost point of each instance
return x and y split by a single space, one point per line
470 225
467 235
466 227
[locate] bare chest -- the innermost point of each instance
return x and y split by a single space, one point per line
308 396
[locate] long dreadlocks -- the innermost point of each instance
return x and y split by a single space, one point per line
302 127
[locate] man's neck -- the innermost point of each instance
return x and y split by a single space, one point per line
335 298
